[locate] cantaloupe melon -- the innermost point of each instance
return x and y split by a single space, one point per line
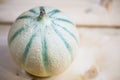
43 41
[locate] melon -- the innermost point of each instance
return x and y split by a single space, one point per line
43 41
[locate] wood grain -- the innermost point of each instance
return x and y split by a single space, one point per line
7 75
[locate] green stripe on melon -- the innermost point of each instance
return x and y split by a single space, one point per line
68 47
45 54
33 11
50 41
24 17
65 29
53 12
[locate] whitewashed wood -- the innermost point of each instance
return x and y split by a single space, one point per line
82 12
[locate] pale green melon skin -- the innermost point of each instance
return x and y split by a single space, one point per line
47 55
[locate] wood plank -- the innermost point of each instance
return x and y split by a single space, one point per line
7 75
78 25
82 12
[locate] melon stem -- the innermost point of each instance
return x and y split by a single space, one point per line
42 13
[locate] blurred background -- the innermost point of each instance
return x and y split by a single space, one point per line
98 24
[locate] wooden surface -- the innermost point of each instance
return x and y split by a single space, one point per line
99 52
82 12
